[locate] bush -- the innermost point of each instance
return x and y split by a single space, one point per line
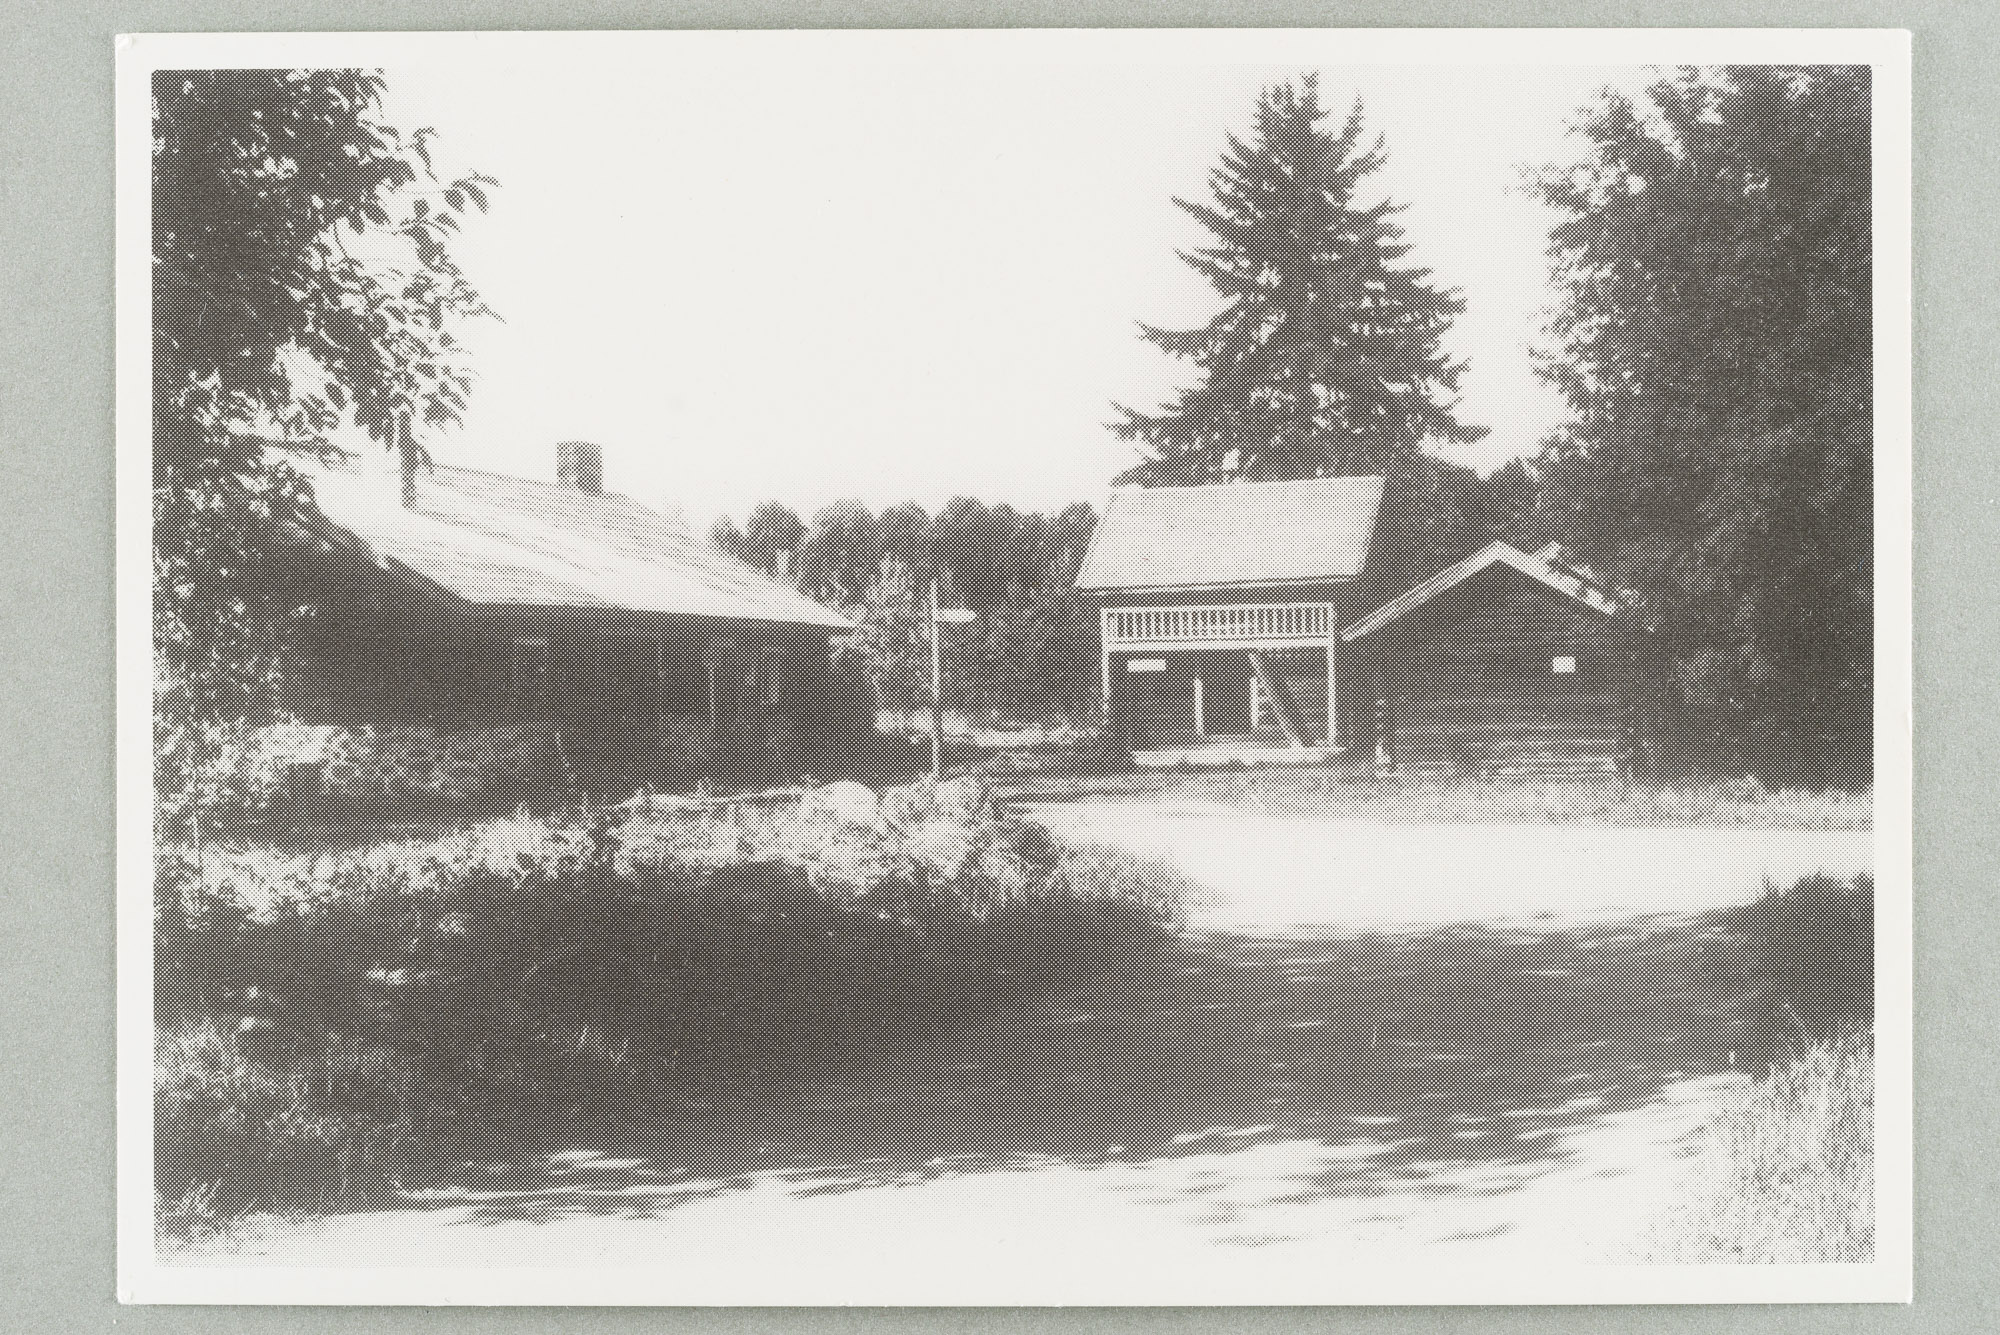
349 1016
1808 956
231 1133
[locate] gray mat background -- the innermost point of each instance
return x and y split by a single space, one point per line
56 647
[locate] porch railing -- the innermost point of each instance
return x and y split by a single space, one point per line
1244 622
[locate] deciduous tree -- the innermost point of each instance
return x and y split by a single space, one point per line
1712 334
772 536
841 554
302 279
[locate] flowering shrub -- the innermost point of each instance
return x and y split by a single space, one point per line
227 775
521 969
236 1133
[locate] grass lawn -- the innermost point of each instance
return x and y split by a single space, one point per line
1348 792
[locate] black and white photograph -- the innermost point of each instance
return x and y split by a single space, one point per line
1031 667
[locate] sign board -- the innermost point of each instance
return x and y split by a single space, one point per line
1563 665
1145 665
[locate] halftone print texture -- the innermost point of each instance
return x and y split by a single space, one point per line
540 880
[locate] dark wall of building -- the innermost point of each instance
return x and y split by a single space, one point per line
1502 663
661 701
1156 710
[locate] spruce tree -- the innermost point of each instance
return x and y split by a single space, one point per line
1325 359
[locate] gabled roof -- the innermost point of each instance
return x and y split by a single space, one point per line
1243 534
501 541
1545 565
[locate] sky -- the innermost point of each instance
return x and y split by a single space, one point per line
915 281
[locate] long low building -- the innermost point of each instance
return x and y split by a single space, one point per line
1236 625
452 598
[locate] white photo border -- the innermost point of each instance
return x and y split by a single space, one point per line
943 1279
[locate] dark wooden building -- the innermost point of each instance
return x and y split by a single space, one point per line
452 598
1220 615
1243 622
1503 660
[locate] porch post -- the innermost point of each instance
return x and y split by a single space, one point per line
1332 700
1104 652
657 759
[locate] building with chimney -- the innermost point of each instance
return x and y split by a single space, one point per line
449 599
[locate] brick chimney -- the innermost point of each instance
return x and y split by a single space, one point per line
580 464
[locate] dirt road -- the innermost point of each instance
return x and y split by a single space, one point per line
1287 875
1485 1043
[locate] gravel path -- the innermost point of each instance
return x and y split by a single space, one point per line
1287 875
1483 1042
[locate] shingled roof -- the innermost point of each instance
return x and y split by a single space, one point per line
502 541
1547 565
1244 534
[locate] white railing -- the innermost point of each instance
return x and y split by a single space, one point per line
1261 622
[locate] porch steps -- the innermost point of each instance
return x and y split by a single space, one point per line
1280 697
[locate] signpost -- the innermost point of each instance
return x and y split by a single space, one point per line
940 618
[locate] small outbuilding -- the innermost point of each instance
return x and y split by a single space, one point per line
456 599
1506 659
1241 622
1220 615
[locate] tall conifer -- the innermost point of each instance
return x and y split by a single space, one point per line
1325 359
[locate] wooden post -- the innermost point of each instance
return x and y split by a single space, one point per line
406 461
773 726
1332 700
658 762
1104 651
1200 715
937 690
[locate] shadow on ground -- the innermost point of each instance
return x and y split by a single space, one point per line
1452 1063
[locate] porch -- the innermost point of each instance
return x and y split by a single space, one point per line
1227 683
1245 751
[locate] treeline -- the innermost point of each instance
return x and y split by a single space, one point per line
1030 654
1710 327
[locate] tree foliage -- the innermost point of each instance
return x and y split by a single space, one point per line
1712 335
841 554
1326 356
1028 656
772 537
302 280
